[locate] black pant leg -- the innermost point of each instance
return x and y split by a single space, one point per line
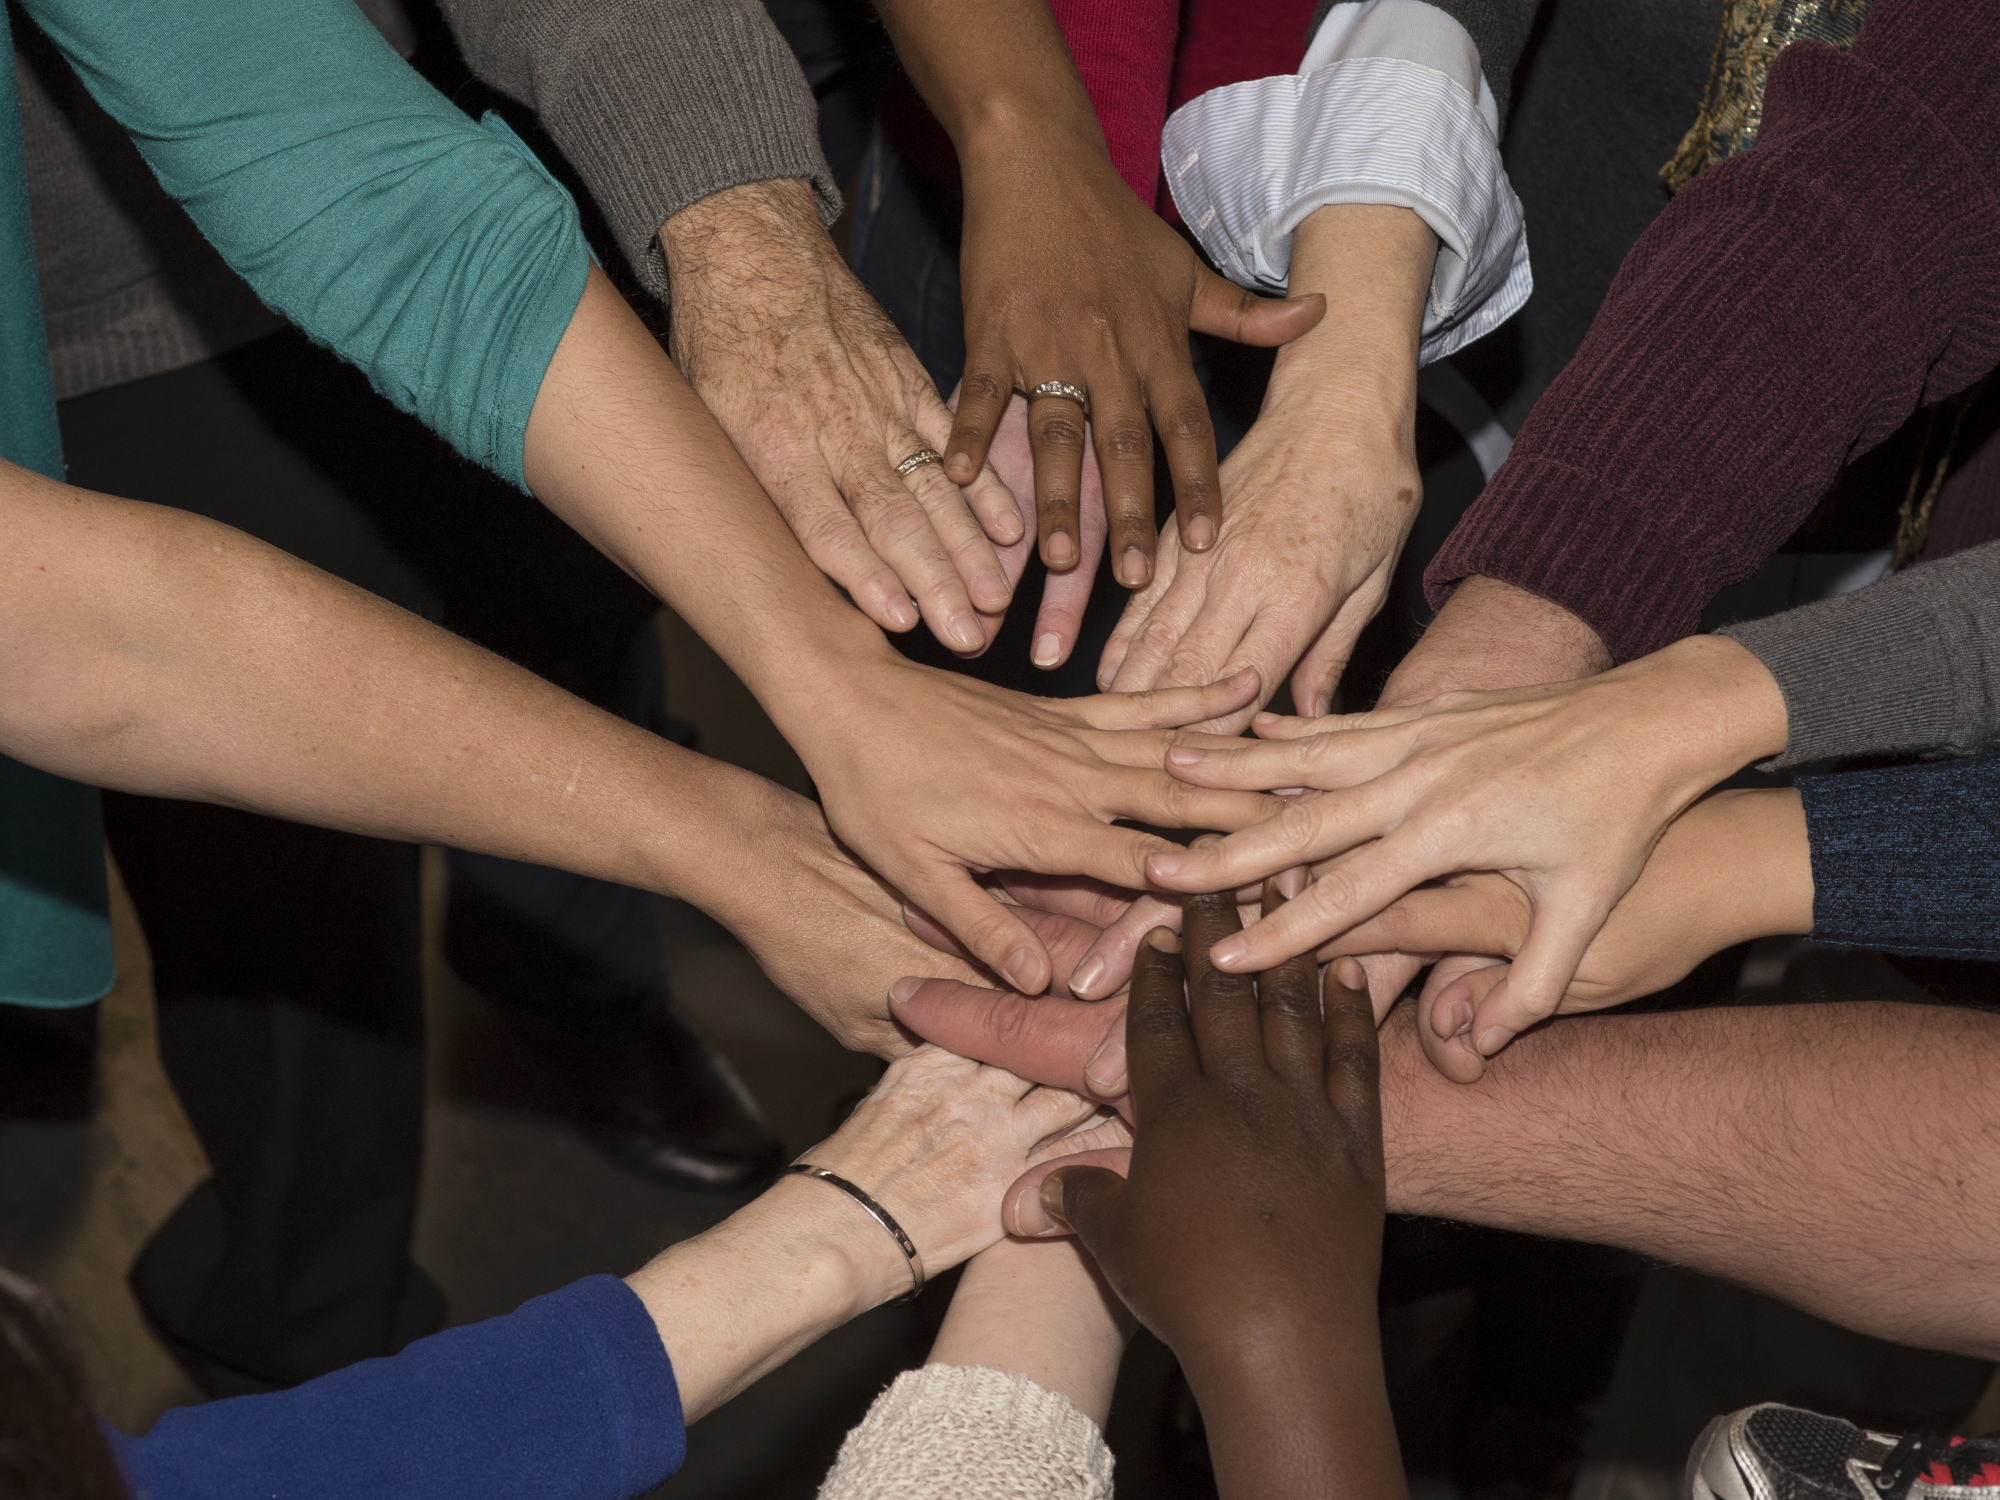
286 959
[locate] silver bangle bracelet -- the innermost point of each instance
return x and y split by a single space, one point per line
876 1211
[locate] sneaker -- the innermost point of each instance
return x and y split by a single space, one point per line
1774 1452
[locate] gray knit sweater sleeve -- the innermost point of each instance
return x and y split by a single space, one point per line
1498 28
656 103
1907 666
952 1432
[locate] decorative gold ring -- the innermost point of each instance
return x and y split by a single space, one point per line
917 460
1063 389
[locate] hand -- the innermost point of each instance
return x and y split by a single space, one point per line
823 398
1067 276
1247 1232
828 932
935 1143
931 777
1564 788
1319 496
1733 867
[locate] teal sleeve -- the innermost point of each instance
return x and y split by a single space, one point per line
355 199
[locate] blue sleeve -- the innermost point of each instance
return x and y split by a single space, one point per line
1907 860
570 1398
358 201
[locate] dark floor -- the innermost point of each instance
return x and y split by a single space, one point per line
515 1204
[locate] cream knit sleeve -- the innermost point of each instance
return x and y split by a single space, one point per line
970 1434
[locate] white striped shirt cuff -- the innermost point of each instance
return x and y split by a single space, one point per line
1247 164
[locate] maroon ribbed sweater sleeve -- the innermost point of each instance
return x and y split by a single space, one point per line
1787 312
1124 51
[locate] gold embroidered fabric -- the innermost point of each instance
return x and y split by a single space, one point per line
1732 106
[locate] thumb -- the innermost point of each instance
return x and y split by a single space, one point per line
1228 311
1070 1194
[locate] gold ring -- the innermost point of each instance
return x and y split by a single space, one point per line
1063 389
917 460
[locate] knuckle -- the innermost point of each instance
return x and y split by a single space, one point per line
1058 429
982 386
1127 442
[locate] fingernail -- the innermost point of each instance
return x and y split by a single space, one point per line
1228 953
1200 533
1184 755
965 632
1492 1039
1105 1072
1048 650
1455 1019
903 989
1052 1203
1132 569
1089 974
1163 866
990 592
1245 678
1262 718
1291 885
1061 550
1350 973
1020 970
903 614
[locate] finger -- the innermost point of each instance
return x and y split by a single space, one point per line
1021 1211
1084 1199
1042 1114
958 529
1228 311
839 548
1389 974
1091 901
1270 726
1046 1039
1222 1007
1107 964
1327 760
983 394
1304 831
1319 669
1139 609
999 513
902 533
1066 938
1057 432
1288 1003
1437 919
1065 597
1341 896
1154 798
1353 1056
1533 989
1124 447
1451 995
1159 1040
1155 647
994 933
1167 708
1180 412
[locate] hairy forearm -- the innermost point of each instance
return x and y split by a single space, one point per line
153 651
1491 635
1824 1154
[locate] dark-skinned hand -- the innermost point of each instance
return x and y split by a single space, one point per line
1247 1231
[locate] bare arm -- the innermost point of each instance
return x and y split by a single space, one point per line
1824 1154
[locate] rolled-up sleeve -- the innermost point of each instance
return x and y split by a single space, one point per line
431 251
1389 106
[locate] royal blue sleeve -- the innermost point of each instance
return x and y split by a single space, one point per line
570 1398
360 203
1907 860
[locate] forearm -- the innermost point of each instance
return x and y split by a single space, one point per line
1747 1143
1491 635
623 450
153 651
1038 1308
735 1303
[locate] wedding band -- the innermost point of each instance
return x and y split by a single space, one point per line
917 460
1063 389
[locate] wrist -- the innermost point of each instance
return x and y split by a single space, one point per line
836 1245
728 233
1747 854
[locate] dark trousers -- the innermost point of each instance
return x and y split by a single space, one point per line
286 959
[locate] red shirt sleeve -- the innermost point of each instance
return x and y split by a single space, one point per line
1124 50
1788 311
